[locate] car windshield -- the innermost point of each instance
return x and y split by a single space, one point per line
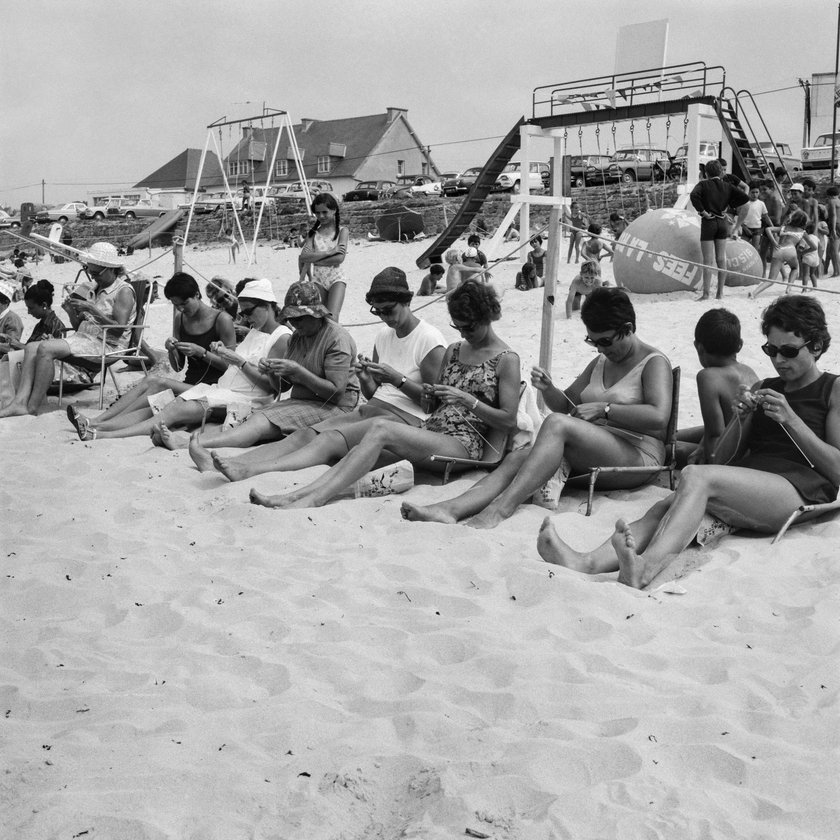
511 167
476 170
825 139
625 156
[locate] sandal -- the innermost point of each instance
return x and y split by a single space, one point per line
83 428
73 416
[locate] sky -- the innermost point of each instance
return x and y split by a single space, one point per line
99 93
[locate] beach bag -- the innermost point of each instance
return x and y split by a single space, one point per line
395 478
548 496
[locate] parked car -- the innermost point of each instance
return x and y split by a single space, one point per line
61 212
97 212
405 185
708 151
7 221
462 183
369 191
510 177
142 209
294 191
637 163
783 151
818 156
426 185
218 201
587 170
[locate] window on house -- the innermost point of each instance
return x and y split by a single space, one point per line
323 164
239 167
400 167
281 168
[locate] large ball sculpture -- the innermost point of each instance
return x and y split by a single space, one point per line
673 237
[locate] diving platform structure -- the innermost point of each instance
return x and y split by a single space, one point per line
698 92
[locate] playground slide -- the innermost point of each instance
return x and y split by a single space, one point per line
474 198
156 228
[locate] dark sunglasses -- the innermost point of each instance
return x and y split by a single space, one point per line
603 342
246 312
383 311
463 328
788 351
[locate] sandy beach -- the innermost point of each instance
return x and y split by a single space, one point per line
178 664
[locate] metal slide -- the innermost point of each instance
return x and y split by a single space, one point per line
474 198
156 228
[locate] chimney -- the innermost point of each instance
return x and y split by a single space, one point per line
306 123
393 113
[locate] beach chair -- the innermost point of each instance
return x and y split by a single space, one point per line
107 356
670 463
496 446
816 510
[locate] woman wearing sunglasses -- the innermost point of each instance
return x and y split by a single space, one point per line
478 387
782 451
407 353
614 414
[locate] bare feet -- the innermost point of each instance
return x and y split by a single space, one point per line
173 440
289 501
630 565
489 518
429 513
14 409
201 456
553 550
230 468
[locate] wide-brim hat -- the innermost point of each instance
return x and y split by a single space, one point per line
258 290
104 254
303 298
390 282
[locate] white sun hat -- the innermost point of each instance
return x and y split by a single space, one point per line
105 254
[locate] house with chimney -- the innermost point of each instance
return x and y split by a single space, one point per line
343 152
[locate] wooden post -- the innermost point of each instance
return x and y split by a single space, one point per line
552 264
178 251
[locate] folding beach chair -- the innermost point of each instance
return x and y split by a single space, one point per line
109 356
670 463
816 510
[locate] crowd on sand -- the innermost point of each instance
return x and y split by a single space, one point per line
287 385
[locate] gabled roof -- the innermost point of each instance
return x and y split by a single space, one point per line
359 134
180 173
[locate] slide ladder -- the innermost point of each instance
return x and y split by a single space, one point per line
474 198
749 162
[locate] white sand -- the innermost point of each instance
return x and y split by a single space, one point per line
180 664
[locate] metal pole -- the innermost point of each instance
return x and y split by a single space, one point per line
834 109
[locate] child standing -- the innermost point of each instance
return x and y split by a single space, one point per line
809 257
594 246
578 221
753 217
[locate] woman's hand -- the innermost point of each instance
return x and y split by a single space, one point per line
540 379
454 396
589 411
187 348
284 368
746 402
226 355
382 373
775 405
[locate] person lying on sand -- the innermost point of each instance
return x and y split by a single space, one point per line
478 387
242 383
407 353
614 414
781 450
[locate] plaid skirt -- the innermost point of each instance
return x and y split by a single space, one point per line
291 415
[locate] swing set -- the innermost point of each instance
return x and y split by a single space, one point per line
270 124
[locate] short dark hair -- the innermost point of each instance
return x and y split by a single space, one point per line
757 185
436 268
529 268
181 285
719 332
475 301
594 228
41 292
832 190
713 169
474 240
808 182
800 314
607 308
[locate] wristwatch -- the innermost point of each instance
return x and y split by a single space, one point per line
401 382
607 411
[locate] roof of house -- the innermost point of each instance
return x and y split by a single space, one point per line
359 134
180 173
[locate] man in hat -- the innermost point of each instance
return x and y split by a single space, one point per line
108 301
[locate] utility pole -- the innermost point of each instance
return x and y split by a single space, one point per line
834 109
43 184
806 120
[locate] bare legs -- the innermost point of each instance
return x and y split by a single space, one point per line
334 299
575 238
141 422
132 407
37 373
383 439
256 428
745 498
714 254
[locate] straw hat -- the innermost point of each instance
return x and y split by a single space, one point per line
7 291
258 290
104 254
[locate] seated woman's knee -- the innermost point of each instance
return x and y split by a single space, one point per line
380 428
695 476
555 424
